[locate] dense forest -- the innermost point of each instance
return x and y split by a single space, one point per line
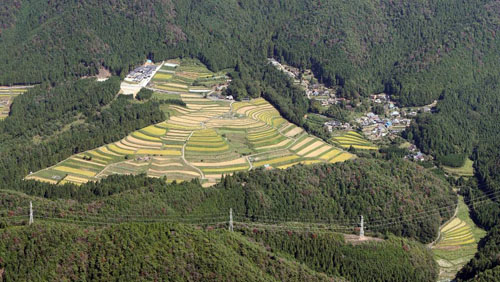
417 51
177 252
336 195
414 50
328 254
101 230
140 252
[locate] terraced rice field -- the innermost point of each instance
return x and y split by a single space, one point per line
355 140
7 95
206 139
457 243
186 76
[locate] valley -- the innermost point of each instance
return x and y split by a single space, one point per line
217 140
457 243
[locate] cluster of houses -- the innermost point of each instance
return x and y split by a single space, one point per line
323 94
390 123
337 125
315 91
141 73
376 127
288 70
385 100
393 119
415 154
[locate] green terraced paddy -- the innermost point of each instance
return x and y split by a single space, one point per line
205 139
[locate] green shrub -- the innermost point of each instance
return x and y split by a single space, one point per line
144 94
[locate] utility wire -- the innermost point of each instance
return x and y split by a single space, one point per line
217 218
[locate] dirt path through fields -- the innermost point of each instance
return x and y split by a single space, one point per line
184 158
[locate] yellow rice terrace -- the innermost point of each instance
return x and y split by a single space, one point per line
205 139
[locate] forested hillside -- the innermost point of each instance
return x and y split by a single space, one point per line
147 245
417 51
415 201
132 252
177 252
327 253
413 50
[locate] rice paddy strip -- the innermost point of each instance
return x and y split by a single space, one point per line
305 140
275 161
41 179
310 147
138 145
75 179
355 140
124 146
75 171
341 158
106 151
162 76
320 150
153 131
159 152
295 131
113 148
221 164
142 136
185 172
282 144
99 155
224 170
330 154
207 149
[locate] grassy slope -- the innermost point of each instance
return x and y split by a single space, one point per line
466 170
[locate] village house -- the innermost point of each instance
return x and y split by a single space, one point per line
141 73
337 125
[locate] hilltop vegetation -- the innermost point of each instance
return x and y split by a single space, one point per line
50 251
397 47
55 247
394 197
47 251
366 261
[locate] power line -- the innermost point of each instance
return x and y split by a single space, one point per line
486 197
217 218
418 219
276 218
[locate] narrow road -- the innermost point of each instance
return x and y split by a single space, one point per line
249 162
184 159
431 244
